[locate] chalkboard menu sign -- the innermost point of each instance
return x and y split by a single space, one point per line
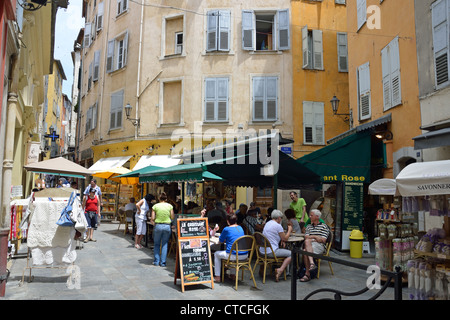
189 228
193 265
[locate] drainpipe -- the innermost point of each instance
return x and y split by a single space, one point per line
138 82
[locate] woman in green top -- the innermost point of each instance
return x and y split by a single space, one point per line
162 215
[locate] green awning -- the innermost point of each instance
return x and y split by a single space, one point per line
137 173
179 173
347 160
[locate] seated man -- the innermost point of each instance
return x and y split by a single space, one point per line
316 236
251 222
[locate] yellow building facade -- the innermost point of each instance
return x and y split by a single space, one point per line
320 72
383 77
54 112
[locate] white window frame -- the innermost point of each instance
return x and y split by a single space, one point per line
122 6
314 119
117 53
179 45
390 60
164 54
161 105
265 98
280 29
216 99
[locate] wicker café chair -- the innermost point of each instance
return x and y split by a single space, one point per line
243 244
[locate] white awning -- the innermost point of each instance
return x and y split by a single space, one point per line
383 187
109 163
163 161
424 178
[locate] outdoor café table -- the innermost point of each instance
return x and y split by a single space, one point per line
295 240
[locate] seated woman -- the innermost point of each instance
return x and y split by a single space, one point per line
228 235
290 215
274 233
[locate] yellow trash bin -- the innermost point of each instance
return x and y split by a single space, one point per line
356 244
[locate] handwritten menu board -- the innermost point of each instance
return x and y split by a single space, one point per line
193 265
353 206
192 227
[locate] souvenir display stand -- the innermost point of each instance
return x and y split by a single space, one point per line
109 198
50 246
397 229
425 186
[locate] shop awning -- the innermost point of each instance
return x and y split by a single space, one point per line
162 161
179 173
240 171
424 178
61 166
104 164
432 139
383 187
347 160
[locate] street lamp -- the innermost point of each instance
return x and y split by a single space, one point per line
135 122
335 106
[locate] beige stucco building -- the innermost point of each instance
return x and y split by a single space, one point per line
203 67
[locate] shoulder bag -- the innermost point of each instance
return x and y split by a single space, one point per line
65 218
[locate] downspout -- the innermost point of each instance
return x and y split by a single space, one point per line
138 82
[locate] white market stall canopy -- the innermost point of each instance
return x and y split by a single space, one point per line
60 166
163 161
383 187
424 178
105 164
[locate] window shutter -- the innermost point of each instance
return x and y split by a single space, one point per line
271 98
364 92
361 7
96 64
342 52
395 72
100 16
258 98
385 61
318 49
308 122
222 99
87 35
305 47
440 41
283 30
110 56
125 50
90 75
211 30
94 115
319 131
224 30
210 98
248 30
116 110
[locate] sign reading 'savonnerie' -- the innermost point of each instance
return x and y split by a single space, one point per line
193 265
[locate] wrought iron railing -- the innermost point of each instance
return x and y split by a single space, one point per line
391 276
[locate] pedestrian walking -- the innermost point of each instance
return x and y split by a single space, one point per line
162 216
91 207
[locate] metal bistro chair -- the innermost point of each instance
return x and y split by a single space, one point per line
240 245
268 257
122 218
326 254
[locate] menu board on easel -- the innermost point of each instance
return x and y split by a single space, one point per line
193 265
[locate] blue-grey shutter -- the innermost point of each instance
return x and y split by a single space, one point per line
248 30
224 30
283 30
212 20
